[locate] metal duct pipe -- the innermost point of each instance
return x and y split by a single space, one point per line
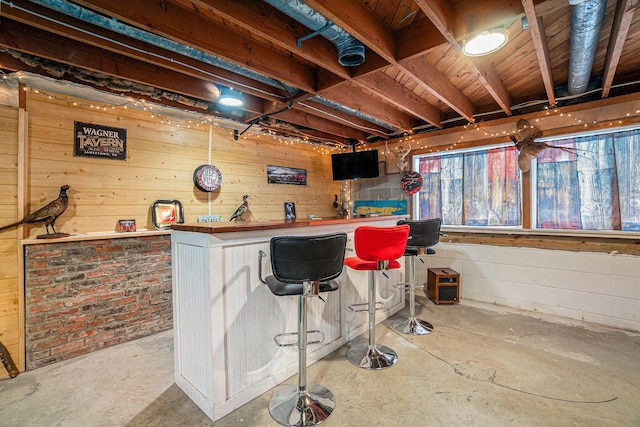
71 9
586 23
350 50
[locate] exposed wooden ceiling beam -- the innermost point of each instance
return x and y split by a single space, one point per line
440 13
347 94
195 30
80 31
417 39
539 39
472 16
357 19
423 71
276 27
312 121
284 32
401 97
303 119
55 48
619 30
341 117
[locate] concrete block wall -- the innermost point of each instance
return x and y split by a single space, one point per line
81 296
594 287
385 187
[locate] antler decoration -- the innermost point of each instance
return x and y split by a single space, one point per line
400 154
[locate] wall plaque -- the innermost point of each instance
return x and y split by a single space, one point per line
207 178
91 140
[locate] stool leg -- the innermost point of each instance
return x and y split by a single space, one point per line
372 356
304 404
413 326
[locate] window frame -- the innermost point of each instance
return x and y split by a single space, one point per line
531 212
533 180
415 214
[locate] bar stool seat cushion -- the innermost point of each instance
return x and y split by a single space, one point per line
375 244
360 264
284 289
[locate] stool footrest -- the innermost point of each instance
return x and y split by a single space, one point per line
280 338
379 306
406 286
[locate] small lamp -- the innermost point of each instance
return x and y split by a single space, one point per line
486 42
230 98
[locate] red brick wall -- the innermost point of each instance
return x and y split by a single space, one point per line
86 295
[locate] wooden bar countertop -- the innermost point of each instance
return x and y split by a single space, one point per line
230 227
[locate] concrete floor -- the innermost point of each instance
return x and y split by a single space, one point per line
482 366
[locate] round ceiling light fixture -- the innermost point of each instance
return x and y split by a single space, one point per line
230 98
486 42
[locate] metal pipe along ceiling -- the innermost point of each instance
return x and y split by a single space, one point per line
350 50
586 23
87 15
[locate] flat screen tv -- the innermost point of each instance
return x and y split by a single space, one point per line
360 164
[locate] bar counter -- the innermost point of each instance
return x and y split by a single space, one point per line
225 318
231 227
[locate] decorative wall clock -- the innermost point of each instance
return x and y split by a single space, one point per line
207 178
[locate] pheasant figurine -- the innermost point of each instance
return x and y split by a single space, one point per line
244 207
48 213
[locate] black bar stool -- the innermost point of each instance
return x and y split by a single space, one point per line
377 248
422 235
303 266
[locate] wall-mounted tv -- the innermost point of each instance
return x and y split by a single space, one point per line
356 165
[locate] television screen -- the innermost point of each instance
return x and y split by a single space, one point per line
361 164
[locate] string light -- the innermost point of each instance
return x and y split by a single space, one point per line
327 147
551 111
203 119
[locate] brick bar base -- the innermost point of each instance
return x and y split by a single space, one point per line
83 296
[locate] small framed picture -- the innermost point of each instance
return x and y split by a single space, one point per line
289 211
126 225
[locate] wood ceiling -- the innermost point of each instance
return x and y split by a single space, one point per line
414 77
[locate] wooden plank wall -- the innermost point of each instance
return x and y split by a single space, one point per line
160 162
161 159
9 281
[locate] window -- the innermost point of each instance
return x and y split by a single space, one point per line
473 188
595 187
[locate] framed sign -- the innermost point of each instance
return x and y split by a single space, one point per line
98 141
289 211
166 212
126 225
285 175
380 207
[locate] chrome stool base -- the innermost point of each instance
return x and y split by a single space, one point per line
413 326
372 357
289 407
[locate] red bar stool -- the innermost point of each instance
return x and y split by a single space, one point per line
422 235
304 266
377 248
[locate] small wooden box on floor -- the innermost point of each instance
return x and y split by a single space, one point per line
443 285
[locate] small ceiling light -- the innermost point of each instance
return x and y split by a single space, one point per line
486 42
230 98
